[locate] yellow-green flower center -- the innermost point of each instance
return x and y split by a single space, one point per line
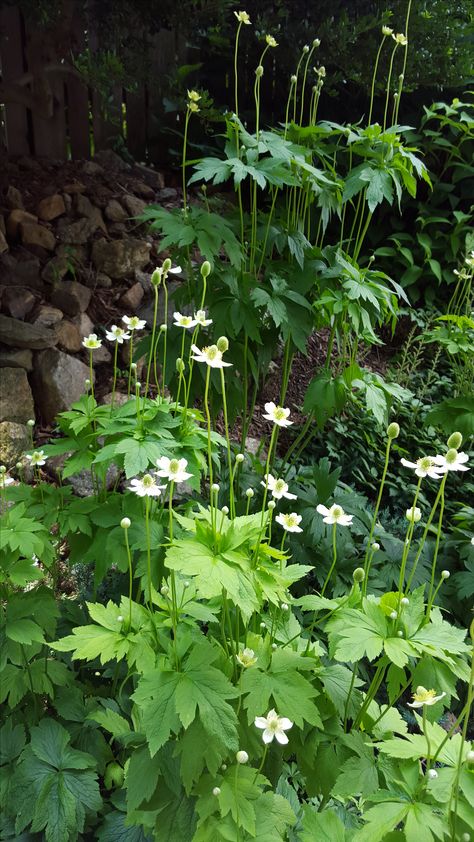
425 463
337 512
174 466
279 413
423 695
212 352
148 481
451 455
280 486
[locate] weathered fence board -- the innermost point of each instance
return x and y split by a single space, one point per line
11 50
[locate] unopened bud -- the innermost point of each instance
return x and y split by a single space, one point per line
399 633
393 430
470 756
375 546
163 328
119 619
393 615
215 488
284 606
164 590
30 423
249 493
225 510
242 757
413 514
125 523
259 71
239 458
271 505
223 344
216 790
405 601
455 441
316 42
156 277
445 574
358 574
87 384
205 269
432 774
167 265
180 366
306 48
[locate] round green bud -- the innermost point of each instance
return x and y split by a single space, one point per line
393 430
167 264
19 466
250 492
3 469
306 48
445 574
164 590
470 756
156 277
242 757
216 791
225 510
239 458
163 328
30 423
455 441
205 269
375 546
316 42
180 366
215 488
259 71
223 344
125 523
358 574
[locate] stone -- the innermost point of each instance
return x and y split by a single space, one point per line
67 202
55 269
167 194
16 358
58 382
18 334
71 297
81 483
114 211
133 297
117 228
75 253
48 316
78 233
69 337
13 198
109 160
51 207
102 356
120 258
15 219
141 189
103 280
84 323
74 187
92 168
33 234
155 177
3 243
31 164
134 206
3 227
119 400
14 440
24 273
18 301
16 399
144 278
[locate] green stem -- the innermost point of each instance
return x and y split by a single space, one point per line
387 96
165 337
183 165
229 452
407 544
407 22
334 559
369 551
467 719
372 91
428 744
436 550
130 579
115 377
423 537
151 354
129 383
148 549
371 692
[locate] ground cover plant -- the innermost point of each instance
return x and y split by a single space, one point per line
254 649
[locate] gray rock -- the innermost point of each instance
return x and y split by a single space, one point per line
16 358
78 233
16 399
20 334
71 297
3 243
102 280
55 269
51 207
17 218
84 323
141 189
25 273
47 316
102 356
134 206
114 211
132 298
109 160
167 194
58 382
91 168
37 236
81 483
13 198
18 302
69 337
120 258
14 440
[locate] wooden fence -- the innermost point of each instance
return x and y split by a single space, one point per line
46 109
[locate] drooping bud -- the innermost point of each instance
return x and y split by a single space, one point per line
239 458
167 264
156 277
259 71
358 574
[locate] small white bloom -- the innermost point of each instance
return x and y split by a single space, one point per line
432 774
393 615
375 546
277 487
242 756
425 697
400 38
117 334
249 493
425 466
215 488
413 514
225 510
30 423
405 601
184 321
125 523
470 756
209 355
174 470
246 657
36 458
274 727
163 328
271 505
335 514
91 342
452 461
146 487
200 318
274 646
134 323
5 480
386 30
289 522
239 458
278 414
284 606
119 619
243 17
445 574
216 790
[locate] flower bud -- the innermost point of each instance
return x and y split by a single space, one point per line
30 423
18 466
242 757
259 71
399 633
263 625
405 601
133 366
180 366
393 430
358 574
205 269
113 775
466 837
225 510
470 756
239 458
306 48
455 441
163 328
393 615
316 42
164 590
125 523
167 265
413 514
87 384
293 79
224 767
249 493
138 385
375 546
271 505
284 606
156 277
119 619
215 488
445 574
186 584
216 790
223 344
432 774
274 646
3 469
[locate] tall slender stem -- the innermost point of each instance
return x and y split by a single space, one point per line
151 355
183 165
334 559
129 382
229 452
436 550
387 95
148 549
372 90
369 551
115 377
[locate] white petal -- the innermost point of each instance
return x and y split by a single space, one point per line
260 722
281 737
322 510
267 736
408 464
285 723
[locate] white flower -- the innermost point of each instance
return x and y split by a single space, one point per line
146 487
424 697
400 38
472 540
273 726
36 458
242 17
386 30
413 514
452 461
91 342
335 514
184 321
134 323
271 41
200 317
425 466
4 480
173 469
209 355
116 334
277 414
289 522
246 657
277 487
